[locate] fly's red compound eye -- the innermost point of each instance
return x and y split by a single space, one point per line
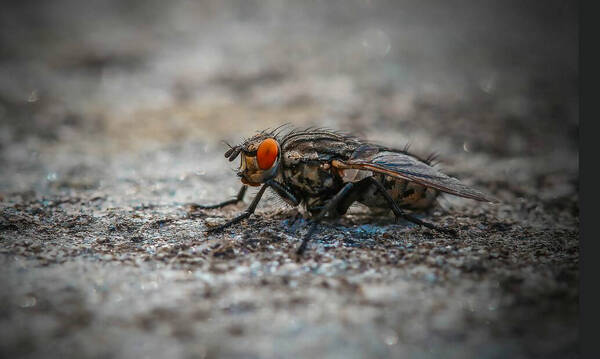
267 153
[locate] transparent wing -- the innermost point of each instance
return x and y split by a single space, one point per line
400 165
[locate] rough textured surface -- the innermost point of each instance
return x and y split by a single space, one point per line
111 116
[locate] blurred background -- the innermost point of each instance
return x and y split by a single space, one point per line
112 115
491 77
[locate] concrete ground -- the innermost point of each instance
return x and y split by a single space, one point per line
111 121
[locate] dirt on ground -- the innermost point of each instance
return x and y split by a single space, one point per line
112 117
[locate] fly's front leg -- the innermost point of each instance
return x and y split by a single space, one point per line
283 192
333 203
239 198
287 195
400 213
245 214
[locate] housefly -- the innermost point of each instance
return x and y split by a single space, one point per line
327 171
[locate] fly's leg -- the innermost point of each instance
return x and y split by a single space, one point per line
245 214
239 198
283 192
400 213
277 187
357 192
333 203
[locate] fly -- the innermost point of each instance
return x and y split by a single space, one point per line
327 171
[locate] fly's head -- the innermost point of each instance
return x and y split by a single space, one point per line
260 157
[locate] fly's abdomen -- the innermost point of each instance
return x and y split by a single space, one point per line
408 195
417 197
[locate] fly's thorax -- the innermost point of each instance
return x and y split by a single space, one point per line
306 161
311 178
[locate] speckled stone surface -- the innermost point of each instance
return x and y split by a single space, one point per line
111 122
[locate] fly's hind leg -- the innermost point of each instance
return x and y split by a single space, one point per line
400 213
237 199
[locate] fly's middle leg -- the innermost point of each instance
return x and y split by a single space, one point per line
333 203
356 193
342 207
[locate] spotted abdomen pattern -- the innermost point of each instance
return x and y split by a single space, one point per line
408 195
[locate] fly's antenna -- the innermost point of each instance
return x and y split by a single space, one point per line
232 152
227 143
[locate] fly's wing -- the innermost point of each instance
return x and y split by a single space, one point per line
400 165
